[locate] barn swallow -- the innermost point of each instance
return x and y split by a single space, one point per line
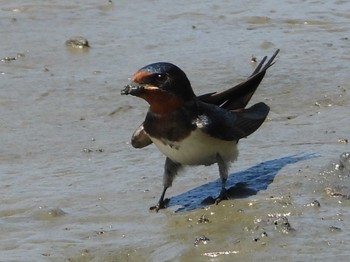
194 130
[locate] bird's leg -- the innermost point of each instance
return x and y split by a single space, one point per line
223 171
170 171
162 203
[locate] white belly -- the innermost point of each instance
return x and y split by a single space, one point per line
198 149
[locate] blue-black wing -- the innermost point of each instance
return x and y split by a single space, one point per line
230 125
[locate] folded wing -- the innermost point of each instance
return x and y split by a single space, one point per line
230 125
244 121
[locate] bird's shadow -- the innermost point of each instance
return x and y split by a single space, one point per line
239 185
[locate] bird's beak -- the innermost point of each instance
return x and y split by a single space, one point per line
133 90
138 90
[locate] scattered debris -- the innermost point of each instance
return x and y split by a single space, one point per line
262 235
314 203
203 239
8 59
89 150
12 58
203 219
334 229
282 224
333 193
219 253
343 140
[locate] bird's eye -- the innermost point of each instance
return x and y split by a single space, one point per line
161 77
157 78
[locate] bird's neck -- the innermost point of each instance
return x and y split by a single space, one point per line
163 103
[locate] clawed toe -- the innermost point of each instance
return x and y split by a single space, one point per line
161 205
222 196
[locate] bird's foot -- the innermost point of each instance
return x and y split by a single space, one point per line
223 196
162 204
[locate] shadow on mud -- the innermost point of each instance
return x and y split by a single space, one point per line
239 185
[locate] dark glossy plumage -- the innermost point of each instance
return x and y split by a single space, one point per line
235 99
193 130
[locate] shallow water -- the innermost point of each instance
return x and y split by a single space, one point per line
73 188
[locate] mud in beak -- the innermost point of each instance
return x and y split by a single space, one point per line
133 90
139 90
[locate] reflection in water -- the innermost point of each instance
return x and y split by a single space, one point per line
241 184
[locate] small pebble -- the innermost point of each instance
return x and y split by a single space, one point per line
78 42
334 229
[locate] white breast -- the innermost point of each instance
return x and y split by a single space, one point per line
197 149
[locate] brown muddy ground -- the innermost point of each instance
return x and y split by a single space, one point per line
73 188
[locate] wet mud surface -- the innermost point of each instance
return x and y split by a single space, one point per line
74 189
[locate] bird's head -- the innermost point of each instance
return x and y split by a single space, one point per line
163 85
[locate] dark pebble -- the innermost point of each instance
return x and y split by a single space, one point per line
78 42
